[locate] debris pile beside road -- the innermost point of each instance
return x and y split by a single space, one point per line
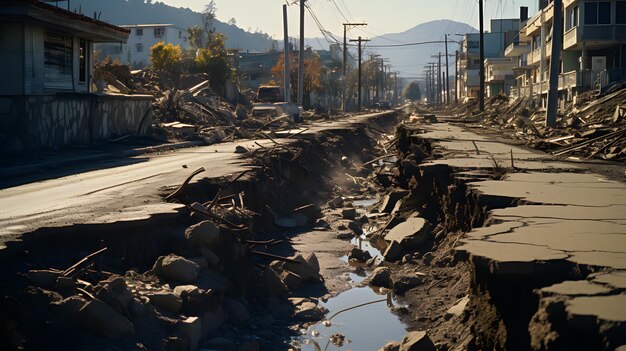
592 127
187 107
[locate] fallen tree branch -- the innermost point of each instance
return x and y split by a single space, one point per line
182 186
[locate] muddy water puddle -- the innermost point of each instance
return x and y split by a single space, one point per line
362 318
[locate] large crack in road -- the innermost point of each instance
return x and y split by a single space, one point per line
363 235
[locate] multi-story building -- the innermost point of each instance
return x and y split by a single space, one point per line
502 33
136 51
592 53
499 76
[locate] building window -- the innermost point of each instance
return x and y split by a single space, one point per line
139 47
572 18
598 12
139 32
82 60
57 61
620 12
159 32
180 34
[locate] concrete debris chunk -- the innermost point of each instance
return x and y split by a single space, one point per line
417 341
104 320
240 149
236 311
179 269
205 233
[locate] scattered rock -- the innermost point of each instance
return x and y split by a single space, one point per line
406 283
389 202
308 311
336 202
390 346
381 277
355 227
114 292
205 233
313 261
458 308
417 341
363 219
393 252
211 258
273 284
302 269
338 339
240 149
166 300
178 268
345 235
184 290
359 255
411 233
191 328
428 258
104 320
291 280
407 259
43 278
348 213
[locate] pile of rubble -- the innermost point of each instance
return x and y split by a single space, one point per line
207 295
187 107
590 127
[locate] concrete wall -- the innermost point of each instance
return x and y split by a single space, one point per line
38 122
12 57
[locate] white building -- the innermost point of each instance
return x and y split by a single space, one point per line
136 51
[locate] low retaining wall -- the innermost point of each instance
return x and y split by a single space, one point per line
36 122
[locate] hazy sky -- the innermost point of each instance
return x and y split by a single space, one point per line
382 16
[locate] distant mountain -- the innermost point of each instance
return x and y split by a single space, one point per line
137 11
410 60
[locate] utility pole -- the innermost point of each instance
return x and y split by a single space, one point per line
301 57
360 41
286 77
447 75
557 36
481 93
345 61
439 80
395 88
456 76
